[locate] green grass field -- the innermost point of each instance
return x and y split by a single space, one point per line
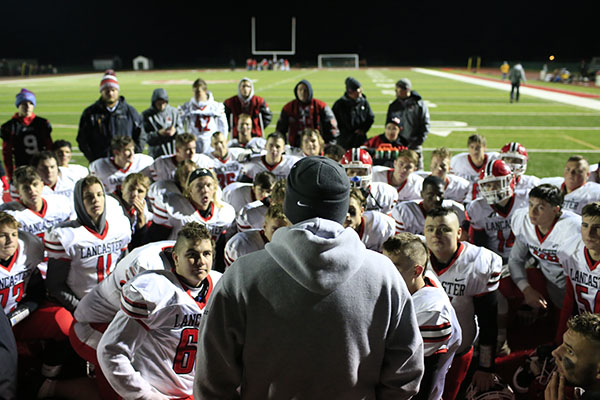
551 131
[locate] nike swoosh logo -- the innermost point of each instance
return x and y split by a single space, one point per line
460 280
302 204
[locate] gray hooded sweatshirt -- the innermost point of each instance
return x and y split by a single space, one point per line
155 120
315 315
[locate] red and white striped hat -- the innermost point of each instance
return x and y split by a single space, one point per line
109 80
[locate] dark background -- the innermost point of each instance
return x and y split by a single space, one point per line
182 33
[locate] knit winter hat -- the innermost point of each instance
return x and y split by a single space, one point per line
317 187
25 95
109 80
404 83
352 84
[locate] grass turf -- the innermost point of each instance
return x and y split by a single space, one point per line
544 127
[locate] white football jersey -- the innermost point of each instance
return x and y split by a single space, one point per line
164 167
76 171
526 182
472 272
158 191
112 176
578 198
375 228
495 223
238 194
103 302
228 170
409 190
150 346
255 145
583 275
251 216
594 175
243 243
15 276
203 119
461 165
381 197
409 216
55 209
545 248
178 211
92 255
439 327
257 163
64 186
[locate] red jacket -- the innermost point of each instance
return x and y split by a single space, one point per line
257 108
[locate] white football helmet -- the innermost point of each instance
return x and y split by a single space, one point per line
358 165
536 371
496 182
515 155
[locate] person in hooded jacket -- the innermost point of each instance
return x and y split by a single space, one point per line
108 117
410 107
82 252
306 112
161 123
516 77
246 102
353 115
314 315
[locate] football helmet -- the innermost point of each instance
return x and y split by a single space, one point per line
496 182
499 391
515 155
536 371
358 165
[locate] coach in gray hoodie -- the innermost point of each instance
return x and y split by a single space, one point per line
162 123
315 315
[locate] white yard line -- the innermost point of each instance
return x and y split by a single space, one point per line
295 79
504 86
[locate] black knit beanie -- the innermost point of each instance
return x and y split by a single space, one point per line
317 187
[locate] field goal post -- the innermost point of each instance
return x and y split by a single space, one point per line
338 61
285 52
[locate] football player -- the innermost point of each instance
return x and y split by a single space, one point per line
159 189
84 251
469 165
373 227
542 230
311 144
456 188
274 160
580 265
238 194
64 154
437 319
252 215
409 216
358 165
244 139
202 116
132 198
226 164
149 349
55 181
469 274
198 203
24 134
246 242
402 176
124 161
574 185
185 149
515 155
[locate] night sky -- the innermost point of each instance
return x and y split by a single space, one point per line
182 33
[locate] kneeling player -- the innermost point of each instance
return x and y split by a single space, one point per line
437 319
149 349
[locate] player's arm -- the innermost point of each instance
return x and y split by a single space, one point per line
115 356
222 124
34 295
398 220
516 264
56 284
486 309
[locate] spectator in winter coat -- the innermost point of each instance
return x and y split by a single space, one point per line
246 102
353 114
162 122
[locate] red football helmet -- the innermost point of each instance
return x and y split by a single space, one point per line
515 155
358 164
496 182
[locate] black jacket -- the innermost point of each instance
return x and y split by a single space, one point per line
414 116
98 126
352 115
